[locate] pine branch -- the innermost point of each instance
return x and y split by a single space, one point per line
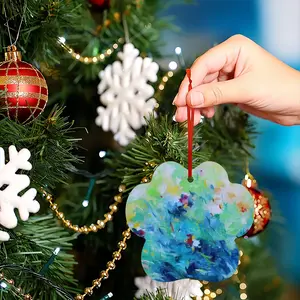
31 246
163 141
226 139
43 22
144 32
50 143
159 295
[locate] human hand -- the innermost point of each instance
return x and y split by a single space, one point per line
240 72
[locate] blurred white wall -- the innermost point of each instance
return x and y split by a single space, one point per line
280 28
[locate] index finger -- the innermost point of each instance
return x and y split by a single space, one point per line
214 60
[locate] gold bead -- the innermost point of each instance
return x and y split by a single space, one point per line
54 206
145 180
76 228
19 289
101 223
118 198
117 16
113 207
117 255
1 275
27 297
88 291
11 281
67 223
108 216
93 227
104 274
48 197
106 23
122 245
97 283
111 265
152 164
60 215
85 230
127 234
122 188
79 297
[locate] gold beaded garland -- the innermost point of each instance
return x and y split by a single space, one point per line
127 234
97 282
90 59
104 274
163 83
100 224
122 188
17 289
122 245
88 291
110 266
117 255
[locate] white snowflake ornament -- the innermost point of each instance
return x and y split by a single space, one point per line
126 94
12 184
184 289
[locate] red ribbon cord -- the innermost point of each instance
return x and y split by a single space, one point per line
190 121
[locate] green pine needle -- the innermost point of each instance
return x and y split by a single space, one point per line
50 143
163 141
225 139
31 246
159 295
43 22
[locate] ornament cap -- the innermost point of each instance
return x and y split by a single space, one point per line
249 181
12 54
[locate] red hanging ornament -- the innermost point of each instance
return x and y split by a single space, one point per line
262 208
102 4
26 90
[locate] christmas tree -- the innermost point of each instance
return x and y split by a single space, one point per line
98 125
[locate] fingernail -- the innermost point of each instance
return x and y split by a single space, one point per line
174 118
173 103
196 99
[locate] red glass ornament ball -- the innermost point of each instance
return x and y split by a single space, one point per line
100 3
262 213
26 90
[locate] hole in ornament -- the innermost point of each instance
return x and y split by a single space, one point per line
190 179
3 187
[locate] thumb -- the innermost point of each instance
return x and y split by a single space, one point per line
212 94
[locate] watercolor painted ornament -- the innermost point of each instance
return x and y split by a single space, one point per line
190 227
